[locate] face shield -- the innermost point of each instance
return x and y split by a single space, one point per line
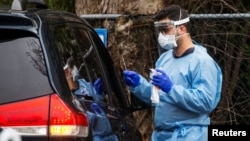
165 41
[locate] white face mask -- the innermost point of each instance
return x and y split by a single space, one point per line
167 41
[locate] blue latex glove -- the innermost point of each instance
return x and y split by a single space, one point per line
98 86
96 108
162 81
131 78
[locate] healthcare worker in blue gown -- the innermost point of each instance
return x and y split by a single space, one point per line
186 84
98 121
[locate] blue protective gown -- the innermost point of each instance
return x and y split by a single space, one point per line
183 113
101 128
98 121
85 88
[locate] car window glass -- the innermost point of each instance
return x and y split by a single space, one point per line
80 62
23 73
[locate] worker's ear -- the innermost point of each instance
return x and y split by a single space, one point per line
182 29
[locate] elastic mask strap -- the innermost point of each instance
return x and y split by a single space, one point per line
180 15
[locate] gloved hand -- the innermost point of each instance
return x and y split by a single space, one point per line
162 81
96 108
98 86
131 78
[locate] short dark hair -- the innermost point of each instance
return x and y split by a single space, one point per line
173 12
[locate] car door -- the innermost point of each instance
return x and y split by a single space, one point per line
106 103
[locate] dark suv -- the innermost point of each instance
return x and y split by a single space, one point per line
36 98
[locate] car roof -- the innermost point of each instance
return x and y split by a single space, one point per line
24 12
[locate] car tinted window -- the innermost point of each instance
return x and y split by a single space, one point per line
80 43
23 73
75 43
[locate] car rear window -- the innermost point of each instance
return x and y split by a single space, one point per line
23 73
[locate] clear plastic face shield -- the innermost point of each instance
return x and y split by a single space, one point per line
165 40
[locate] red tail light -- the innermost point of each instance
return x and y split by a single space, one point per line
47 115
64 121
